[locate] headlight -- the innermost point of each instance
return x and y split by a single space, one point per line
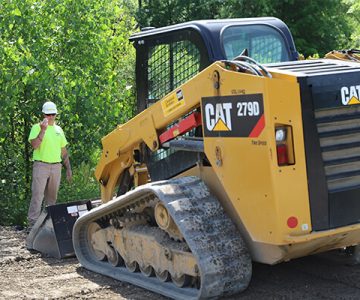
280 135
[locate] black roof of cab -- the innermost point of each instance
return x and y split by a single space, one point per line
210 31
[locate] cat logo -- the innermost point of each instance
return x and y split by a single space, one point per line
218 117
233 116
350 95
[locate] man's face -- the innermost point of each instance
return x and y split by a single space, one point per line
50 117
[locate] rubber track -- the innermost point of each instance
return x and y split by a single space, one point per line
220 252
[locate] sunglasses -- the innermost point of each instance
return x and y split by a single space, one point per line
50 114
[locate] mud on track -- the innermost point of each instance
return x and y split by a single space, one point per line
24 275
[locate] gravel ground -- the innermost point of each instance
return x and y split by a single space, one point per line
25 275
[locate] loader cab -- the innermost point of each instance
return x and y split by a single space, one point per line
169 56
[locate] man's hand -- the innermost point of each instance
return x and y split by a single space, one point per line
69 175
37 141
66 162
44 124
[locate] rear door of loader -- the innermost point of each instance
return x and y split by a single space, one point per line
330 93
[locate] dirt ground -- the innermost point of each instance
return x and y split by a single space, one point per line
25 275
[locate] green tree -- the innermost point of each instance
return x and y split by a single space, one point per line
77 54
318 26
354 17
160 13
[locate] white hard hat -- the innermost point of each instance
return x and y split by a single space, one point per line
49 108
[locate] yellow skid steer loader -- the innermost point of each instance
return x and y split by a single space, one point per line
239 152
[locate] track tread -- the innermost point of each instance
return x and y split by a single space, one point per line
220 252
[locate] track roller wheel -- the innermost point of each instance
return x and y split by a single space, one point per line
148 271
163 276
115 259
181 281
132 267
166 222
162 216
93 227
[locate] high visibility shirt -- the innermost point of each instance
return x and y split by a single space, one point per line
49 150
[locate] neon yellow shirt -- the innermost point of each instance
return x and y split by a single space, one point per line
50 148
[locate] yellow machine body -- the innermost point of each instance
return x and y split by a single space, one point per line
259 195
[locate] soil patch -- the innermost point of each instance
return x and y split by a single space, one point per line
26 275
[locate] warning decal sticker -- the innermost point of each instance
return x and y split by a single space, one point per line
233 116
172 102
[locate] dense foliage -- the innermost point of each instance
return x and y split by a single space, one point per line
317 26
354 13
77 54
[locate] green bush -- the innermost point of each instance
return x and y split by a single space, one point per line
77 54
83 185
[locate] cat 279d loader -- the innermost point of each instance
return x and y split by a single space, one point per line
240 152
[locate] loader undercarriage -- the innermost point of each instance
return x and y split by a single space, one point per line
166 237
135 242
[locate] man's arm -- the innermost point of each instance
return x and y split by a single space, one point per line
66 163
35 143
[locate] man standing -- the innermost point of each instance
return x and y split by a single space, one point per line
48 141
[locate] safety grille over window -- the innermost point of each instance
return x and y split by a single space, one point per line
170 65
266 49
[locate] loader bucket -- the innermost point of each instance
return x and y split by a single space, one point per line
52 232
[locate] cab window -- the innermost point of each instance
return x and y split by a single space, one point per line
264 43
